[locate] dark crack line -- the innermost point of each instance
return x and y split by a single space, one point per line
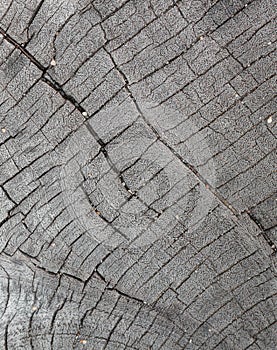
45 78
112 331
23 50
57 87
95 274
263 231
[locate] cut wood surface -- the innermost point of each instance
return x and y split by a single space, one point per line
138 179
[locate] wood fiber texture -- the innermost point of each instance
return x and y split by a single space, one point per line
138 175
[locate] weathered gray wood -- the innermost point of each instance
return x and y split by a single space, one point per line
137 175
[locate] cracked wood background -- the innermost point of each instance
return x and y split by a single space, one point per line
137 174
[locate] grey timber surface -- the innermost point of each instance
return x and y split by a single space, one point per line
138 175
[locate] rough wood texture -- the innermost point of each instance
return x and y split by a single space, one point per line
137 175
